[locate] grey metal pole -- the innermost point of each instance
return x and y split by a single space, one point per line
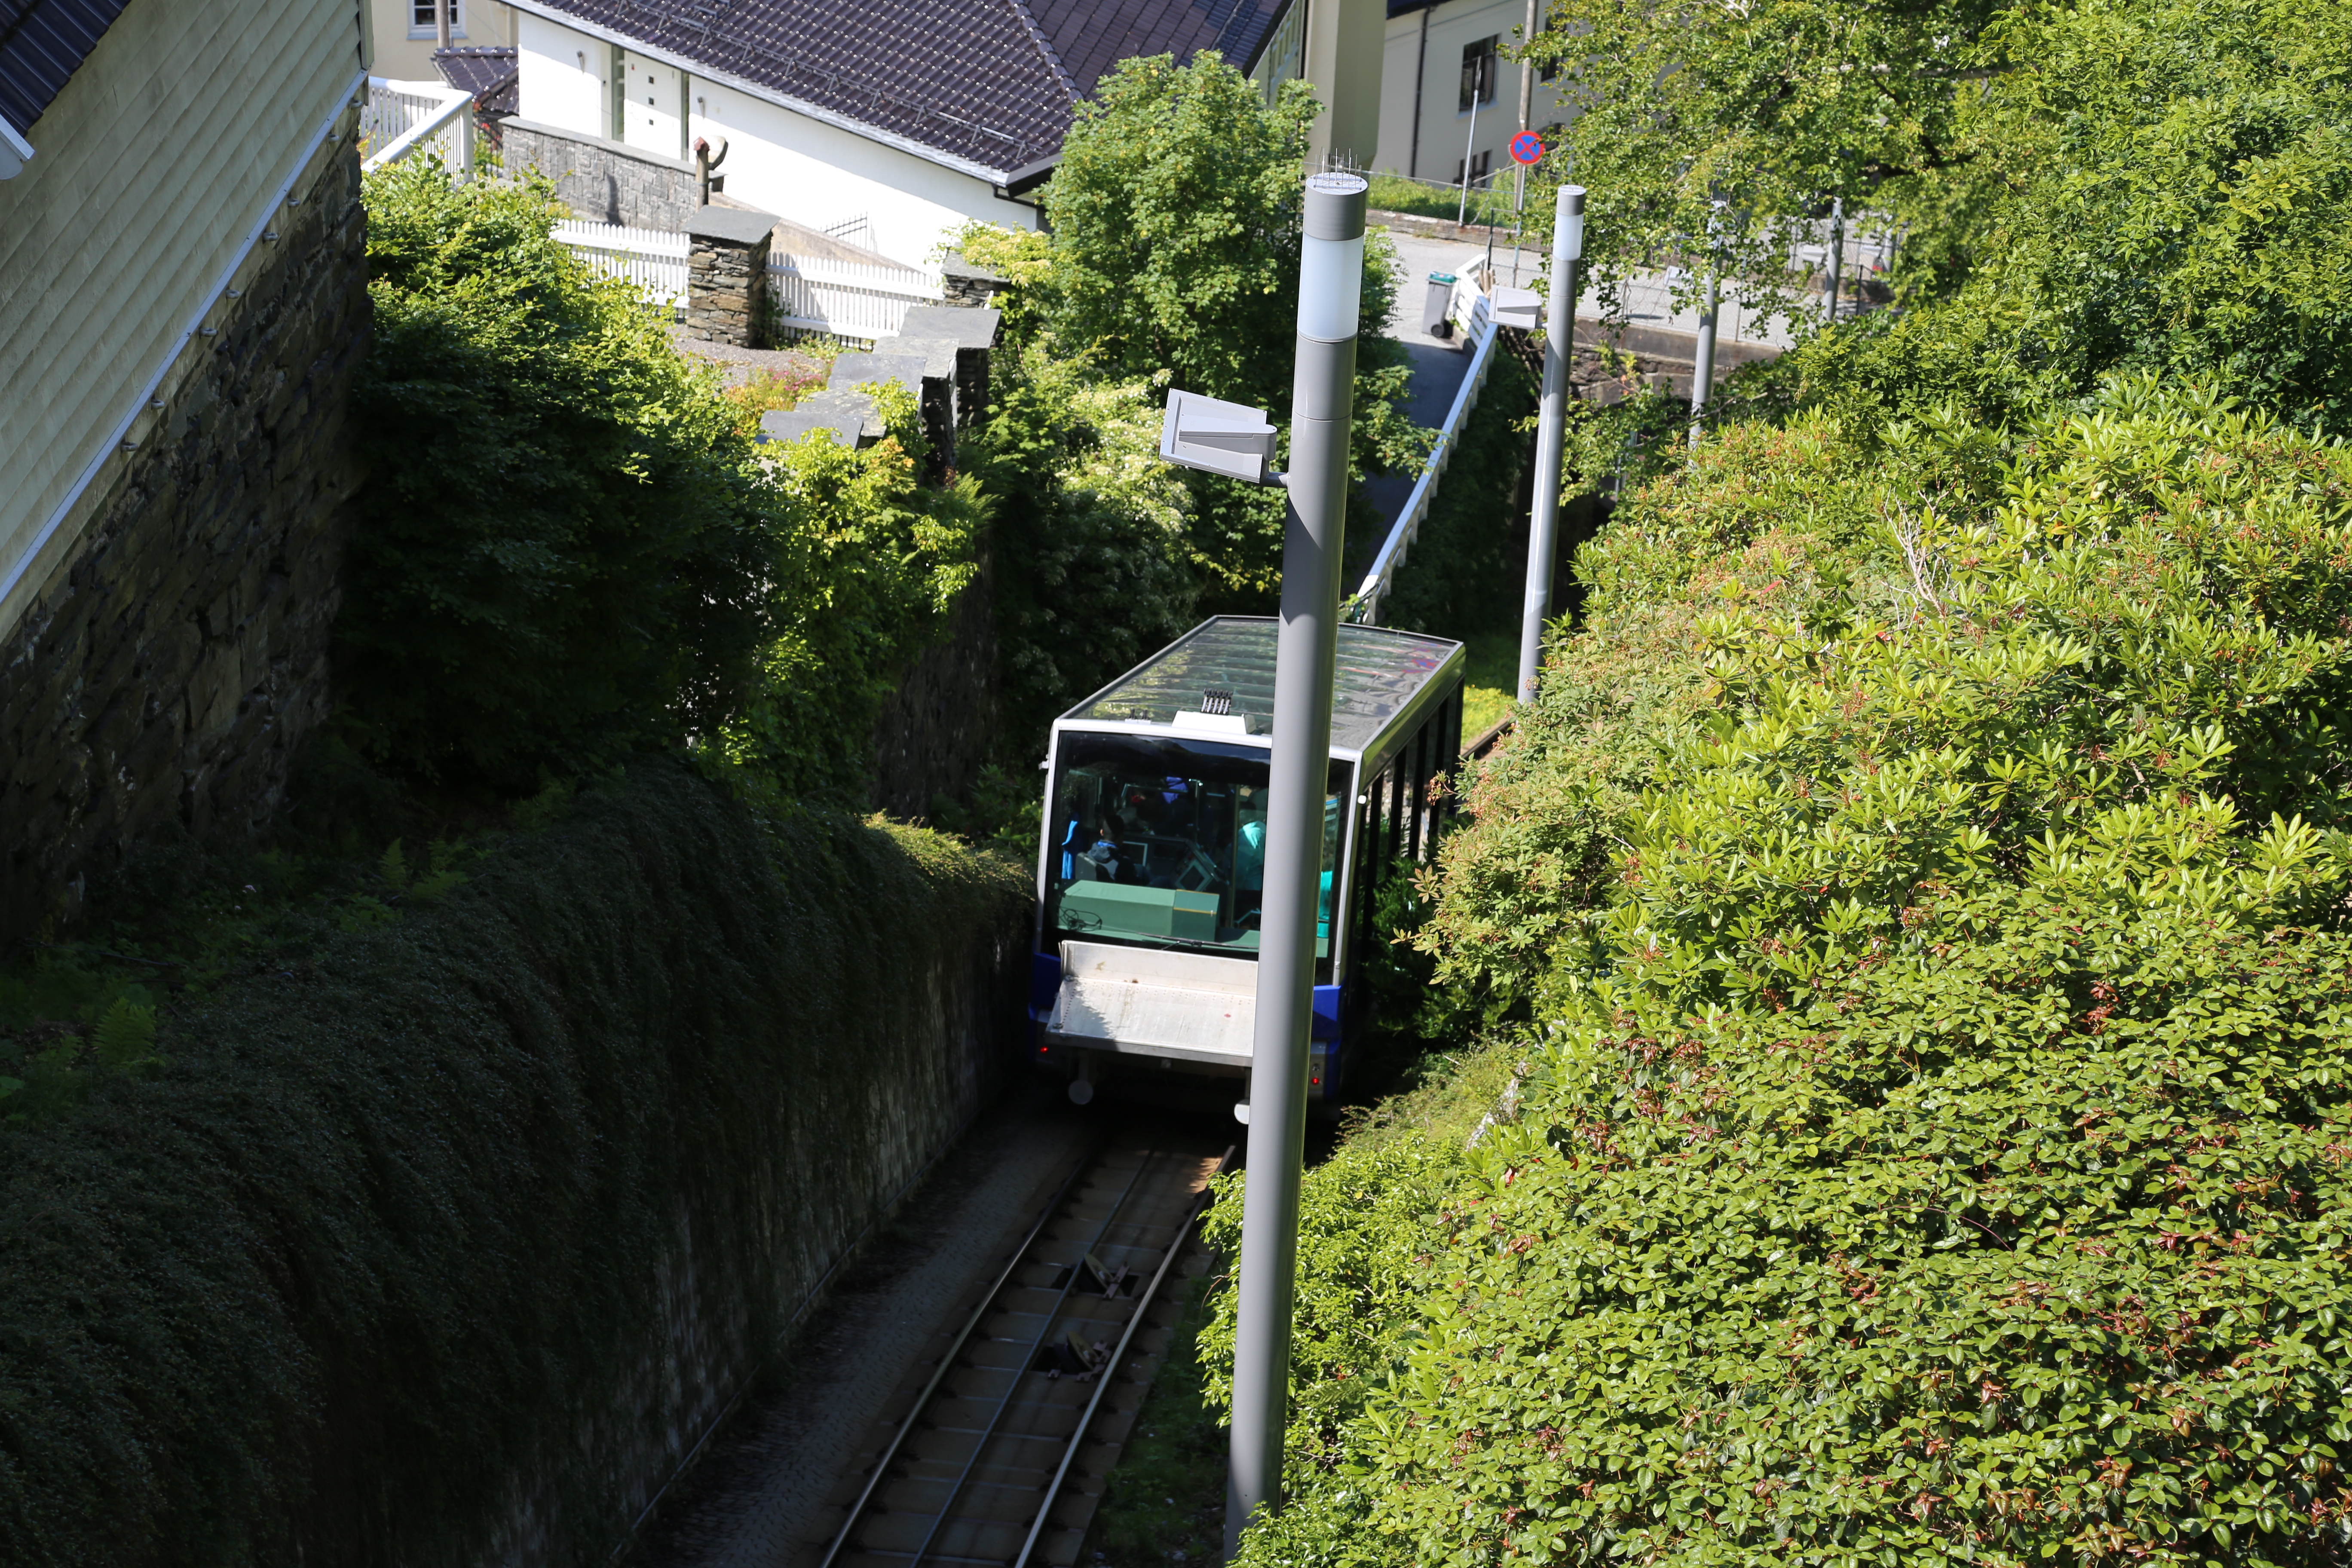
441 23
1837 252
1551 433
1703 357
1323 389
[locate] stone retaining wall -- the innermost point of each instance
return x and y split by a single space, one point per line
603 182
178 653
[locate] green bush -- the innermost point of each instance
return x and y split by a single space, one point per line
393 1249
1172 259
1924 875
1090 531
563 537
867 562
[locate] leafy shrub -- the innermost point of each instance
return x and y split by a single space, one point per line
1091 525
391 1251
564 538
1925 872
866 563
1173 260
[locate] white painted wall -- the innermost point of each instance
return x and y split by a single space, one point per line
403 47
1446 129
816 175
566 77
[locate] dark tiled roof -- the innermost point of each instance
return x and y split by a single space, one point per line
1092 35
490 73
992 82
42 43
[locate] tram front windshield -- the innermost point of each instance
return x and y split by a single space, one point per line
1161 843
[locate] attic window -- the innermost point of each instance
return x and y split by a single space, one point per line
422 15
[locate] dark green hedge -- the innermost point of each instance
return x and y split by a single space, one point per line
388 1256
1467 569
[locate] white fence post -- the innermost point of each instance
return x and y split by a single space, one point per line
846 298
654 259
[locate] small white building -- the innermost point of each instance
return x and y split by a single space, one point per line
891 123
1441 56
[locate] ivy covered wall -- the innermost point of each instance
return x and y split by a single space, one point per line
443 1240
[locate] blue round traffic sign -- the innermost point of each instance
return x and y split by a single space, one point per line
1527 147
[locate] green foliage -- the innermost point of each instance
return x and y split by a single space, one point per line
867 563
1173 260
1174 219
2028 1248
1091 531
349 1275
1468 563
1772 109
564 536
2185 175
1924 874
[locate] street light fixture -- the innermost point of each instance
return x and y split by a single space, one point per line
1322 407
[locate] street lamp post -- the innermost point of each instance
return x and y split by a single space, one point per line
1330 280
1236 441
1551 433
1703 357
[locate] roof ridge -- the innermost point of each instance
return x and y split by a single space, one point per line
1046 47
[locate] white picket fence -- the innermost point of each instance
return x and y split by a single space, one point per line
813 294
846 299
401 119
1479 332
654 259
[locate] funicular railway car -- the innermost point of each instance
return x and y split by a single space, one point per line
1153 857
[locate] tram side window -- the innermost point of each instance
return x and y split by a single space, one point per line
1148 848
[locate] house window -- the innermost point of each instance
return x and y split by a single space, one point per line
1478 72
422 22
1479 166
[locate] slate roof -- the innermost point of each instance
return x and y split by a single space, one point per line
1092 35
986 82
488 72
42 43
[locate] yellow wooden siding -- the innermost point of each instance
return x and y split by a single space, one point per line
151 169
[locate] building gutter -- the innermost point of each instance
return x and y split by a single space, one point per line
691 66
15 152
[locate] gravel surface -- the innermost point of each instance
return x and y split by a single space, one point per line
761 1487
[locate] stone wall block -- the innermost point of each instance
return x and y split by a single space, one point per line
174 663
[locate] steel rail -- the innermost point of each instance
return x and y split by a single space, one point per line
1135 1321
1022 1369
947 1361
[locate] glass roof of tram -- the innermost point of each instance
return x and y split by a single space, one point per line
1379 673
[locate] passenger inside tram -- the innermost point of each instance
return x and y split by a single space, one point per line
1144 854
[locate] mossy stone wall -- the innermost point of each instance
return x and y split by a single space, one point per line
445 1242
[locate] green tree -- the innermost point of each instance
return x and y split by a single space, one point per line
1173 258
1771 108
564 537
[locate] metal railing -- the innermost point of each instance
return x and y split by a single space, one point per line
815 294
652 258
401 119
1479 332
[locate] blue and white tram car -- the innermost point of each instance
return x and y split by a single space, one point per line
1153 851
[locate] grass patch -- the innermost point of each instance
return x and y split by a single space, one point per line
1165 1500
1424 198
1488 680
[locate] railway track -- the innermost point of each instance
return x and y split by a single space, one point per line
996 1452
